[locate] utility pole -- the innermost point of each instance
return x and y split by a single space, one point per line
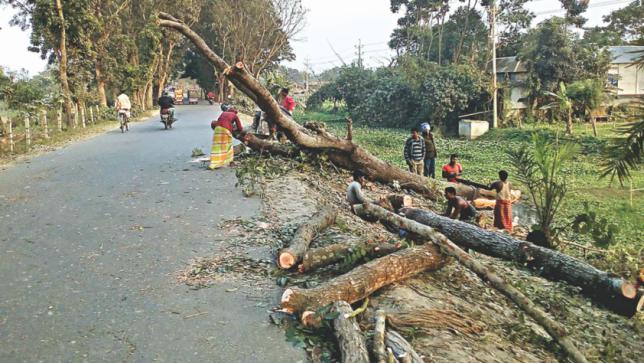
495 121
359 47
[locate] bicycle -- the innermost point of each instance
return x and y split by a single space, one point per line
124 119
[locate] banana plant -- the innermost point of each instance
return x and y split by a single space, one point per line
563 102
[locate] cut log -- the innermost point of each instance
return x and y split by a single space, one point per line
553 265
556 330
379 350
353 348
289 257
342 152
335 253
401 347
363 280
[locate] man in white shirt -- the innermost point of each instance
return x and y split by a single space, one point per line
123 106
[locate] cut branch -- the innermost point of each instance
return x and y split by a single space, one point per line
332 254
556 330
289 257
379 350
401 347
615 293
341 152
353 348
363 280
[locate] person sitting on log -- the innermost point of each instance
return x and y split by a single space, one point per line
503 206
458 207
354 191
415 152
452 171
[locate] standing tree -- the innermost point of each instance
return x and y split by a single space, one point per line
549 57
563 103
589 95
540 169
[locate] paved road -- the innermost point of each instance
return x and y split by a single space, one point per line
90 238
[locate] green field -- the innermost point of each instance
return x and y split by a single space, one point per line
484 157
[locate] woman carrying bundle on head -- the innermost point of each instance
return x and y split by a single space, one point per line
222 152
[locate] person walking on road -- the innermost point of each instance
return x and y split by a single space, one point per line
430 151
222 152
415 152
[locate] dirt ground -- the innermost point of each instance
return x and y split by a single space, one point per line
449 315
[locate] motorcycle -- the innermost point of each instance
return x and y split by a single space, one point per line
167 119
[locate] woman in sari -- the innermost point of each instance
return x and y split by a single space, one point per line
222 152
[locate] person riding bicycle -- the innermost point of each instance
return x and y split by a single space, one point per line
123 106
167 103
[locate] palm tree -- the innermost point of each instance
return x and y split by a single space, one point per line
562 102
540 169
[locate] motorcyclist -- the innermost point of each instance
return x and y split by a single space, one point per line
167 102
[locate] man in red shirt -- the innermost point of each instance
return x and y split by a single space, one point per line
452 171
286 102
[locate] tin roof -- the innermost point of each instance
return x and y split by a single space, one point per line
509 65
625 53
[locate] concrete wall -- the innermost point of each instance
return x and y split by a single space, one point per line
472 129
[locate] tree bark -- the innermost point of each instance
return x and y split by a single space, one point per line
614 293
401 347
363 280
556 330
100 85
64 82
379 351
329 255
340 151
289 257
351 342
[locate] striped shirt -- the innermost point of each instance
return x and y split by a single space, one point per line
415 149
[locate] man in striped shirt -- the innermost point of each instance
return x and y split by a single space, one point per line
415 152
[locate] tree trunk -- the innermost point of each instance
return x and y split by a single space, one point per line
379 350
340 151
401 347
569 123
289 257
353 348
64 82
149 96
593 122
363 280
329 255
556 330
100 85
615 293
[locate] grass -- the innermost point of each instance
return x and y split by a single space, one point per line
484 157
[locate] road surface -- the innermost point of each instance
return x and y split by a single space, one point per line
92 236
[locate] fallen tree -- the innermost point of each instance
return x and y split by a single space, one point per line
556 330
363 280
290 256
336 253
353 348
341 151
615 293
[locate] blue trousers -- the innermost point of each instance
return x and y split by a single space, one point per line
430 168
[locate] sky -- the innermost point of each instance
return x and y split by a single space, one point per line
331 24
